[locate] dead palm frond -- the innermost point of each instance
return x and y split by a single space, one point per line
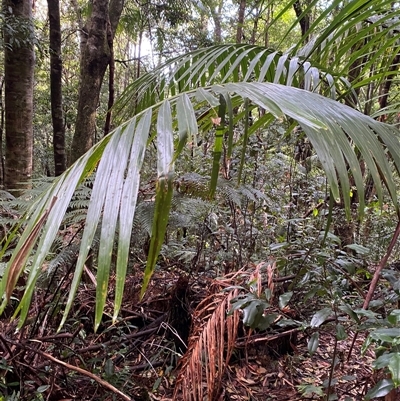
210 348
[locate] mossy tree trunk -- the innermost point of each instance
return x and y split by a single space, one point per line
95 57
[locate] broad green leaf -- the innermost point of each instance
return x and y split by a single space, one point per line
160 220
265 72
266 321
313 343
254 61
366 312
280 69
394 315
320 317
382 361
109 368
380 389
98 197
187 123
63 188
284 299
42 389
310 389
241 302
293 68
203 95
385 335
165 141
340 332
252 313
361 250
109 222
164 189
346 309
394 368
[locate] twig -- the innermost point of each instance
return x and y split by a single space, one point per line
250 340
59 336
144 366
356 286
6 347
375 279
311 210
332 368
121 339
381 265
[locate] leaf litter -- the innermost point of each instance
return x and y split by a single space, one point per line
150 353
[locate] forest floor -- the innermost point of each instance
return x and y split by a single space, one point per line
141 357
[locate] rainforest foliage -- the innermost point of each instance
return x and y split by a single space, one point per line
195 193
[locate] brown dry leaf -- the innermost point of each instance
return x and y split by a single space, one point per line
270 274
18 264
248 381
256 369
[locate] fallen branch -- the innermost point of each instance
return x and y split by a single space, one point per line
85 373
75 368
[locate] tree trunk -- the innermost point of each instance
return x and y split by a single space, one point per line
94 61
239 30
1 133
56 87
386 85
19 60
304 20
268 18
111 77
216 16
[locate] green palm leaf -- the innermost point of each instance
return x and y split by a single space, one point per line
222 64
164 189
359 42
339 134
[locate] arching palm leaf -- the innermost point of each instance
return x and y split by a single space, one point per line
359 42
333 129
221 64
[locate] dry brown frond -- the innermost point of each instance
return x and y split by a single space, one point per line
20 258
256 277
210 348
271 268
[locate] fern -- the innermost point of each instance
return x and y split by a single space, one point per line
143 217
66 256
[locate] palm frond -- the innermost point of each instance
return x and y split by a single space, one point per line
221 64
210 347
360 42
339 135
